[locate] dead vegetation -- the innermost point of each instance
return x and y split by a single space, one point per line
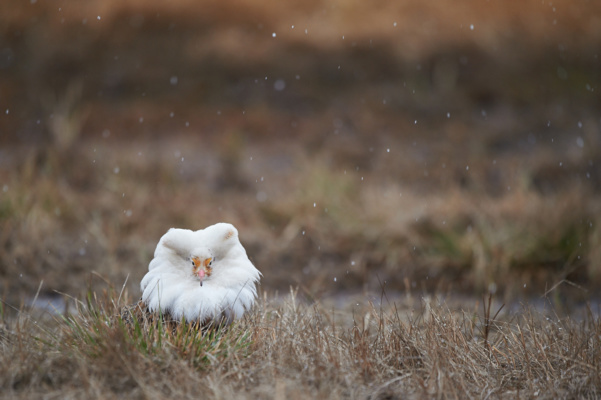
289 348
415 149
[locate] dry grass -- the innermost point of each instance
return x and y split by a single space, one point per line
288 348
303 220
375 67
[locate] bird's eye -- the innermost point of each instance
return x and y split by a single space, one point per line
193 262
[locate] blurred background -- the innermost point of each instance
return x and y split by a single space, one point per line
414 146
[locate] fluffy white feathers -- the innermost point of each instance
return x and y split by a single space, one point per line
173 285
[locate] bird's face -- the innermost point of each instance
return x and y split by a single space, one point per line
202 264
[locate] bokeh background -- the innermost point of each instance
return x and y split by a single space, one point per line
412 146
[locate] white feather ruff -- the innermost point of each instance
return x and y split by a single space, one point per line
170 285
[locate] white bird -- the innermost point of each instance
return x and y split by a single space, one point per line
203 276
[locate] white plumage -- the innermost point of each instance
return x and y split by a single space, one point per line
202 275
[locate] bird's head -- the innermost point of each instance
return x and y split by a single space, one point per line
202 260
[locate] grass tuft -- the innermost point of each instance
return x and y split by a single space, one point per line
288 346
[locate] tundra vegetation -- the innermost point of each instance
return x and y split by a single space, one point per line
424 178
